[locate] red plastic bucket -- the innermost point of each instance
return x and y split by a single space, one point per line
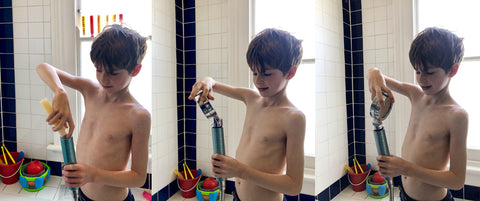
188 186
358 180
9 173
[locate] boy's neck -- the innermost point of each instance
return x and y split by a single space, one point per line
117 97
276 100
441 97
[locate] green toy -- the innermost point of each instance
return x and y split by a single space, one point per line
36 182
204 194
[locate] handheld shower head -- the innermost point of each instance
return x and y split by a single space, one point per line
217 134
379 113
206 106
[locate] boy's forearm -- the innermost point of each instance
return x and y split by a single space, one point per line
48 74
285 184
125 178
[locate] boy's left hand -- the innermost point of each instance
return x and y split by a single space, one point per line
391 166
226 166
76 175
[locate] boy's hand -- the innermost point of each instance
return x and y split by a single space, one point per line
205 84
391 166
76 175
377 85
226 166
61 114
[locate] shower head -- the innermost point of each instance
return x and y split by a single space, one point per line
206 106
379 113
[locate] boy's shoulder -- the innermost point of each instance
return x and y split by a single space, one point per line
456 113
293 116
139 111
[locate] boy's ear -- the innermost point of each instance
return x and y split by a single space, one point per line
291 72
136 70
454 70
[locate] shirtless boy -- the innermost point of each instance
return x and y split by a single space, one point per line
114 126
274 128
437 131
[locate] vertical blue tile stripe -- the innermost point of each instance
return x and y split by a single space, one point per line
7 79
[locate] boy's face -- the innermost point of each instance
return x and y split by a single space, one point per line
433 80
115 81
270 82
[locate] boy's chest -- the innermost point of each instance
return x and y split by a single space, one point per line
264 127
428 125
109 124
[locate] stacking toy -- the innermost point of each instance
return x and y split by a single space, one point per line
35 181
204 194
210 183
34 167
377 186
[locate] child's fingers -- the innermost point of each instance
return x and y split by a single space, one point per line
210 96
380 97
372 94
390 95
196 87
71 127
217 157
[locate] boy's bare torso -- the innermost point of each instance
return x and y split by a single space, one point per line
263 147
104 142
427 144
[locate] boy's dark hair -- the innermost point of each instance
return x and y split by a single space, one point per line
118 46
438 47
276 48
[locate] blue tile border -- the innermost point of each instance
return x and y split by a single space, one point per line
186 77
8 135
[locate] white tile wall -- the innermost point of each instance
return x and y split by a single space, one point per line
30 41
378 52
164 104
331 135
211 61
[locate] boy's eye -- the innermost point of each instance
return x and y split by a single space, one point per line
267 74
255 74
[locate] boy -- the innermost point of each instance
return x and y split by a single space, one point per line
437 131
274 128
115 125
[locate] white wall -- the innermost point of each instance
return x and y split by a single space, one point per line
164 104
217 42
387 33
35 41
331 143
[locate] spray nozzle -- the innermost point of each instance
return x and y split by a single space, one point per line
206 106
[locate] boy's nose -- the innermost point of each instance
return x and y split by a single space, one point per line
421 77
259 79
104 76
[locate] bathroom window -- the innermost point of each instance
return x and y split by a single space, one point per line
298 18
136 15
464 23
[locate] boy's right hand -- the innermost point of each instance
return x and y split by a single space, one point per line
377 85
206 84
61 114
